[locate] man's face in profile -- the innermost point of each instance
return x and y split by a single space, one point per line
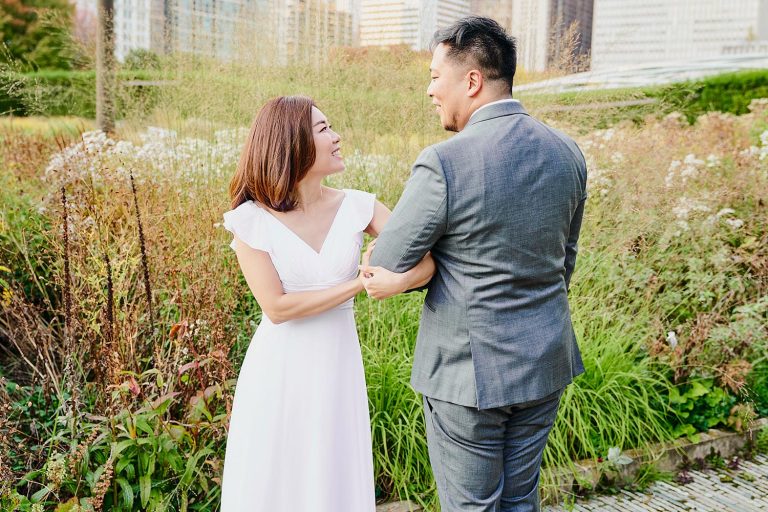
447 88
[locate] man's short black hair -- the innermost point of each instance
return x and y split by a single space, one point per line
483 40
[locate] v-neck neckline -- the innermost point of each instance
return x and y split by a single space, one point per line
327 235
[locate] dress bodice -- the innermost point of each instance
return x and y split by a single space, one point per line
299 266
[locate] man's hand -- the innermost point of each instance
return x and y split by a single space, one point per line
381 283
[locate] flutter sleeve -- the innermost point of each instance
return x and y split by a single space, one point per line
247 222
362 205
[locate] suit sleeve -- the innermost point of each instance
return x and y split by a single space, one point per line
418 220
572 246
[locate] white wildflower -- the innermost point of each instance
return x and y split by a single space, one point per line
616 457
734 223
750 151
669 181
725 211
672 339
685 207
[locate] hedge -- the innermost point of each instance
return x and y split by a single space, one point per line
730 92
68 93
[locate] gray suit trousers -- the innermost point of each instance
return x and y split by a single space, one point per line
488 460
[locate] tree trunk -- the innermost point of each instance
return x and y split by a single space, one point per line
105 67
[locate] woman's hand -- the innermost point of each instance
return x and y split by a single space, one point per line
368 252
381 283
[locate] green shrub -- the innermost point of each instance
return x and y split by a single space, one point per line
699 406
71 93
25 256
757 386
730 92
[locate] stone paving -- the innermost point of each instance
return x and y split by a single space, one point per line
742 490
724 490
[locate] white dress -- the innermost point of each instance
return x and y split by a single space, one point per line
300 437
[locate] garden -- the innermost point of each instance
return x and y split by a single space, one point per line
125 316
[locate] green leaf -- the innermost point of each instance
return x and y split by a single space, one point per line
143 425
184 501
126 492
39 495
697 389
161 404
122 464
30 476
145 488
192 462
117 448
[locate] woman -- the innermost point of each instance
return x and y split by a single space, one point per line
299 437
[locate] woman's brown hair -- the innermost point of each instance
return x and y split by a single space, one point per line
278 152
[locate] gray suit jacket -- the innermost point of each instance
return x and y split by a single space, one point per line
500 206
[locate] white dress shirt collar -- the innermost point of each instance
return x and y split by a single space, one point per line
505 100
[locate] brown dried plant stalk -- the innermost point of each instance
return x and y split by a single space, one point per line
110 312
144 260
67 273
69 348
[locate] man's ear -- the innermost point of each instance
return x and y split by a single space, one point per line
474 82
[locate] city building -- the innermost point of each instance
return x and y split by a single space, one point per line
267 30
553 33
313 26
634 32
210 27
407 22
499 10
138 24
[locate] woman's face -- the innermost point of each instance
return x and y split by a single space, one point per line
328 159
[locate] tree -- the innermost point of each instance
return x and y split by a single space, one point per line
37 33
105 67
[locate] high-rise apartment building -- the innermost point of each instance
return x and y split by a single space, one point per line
267 30
552 33
499 10
313 26
211 27
436 14
138 24
389 22
631 32
407 22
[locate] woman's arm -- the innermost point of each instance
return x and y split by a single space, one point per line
381 283
262 279
380 217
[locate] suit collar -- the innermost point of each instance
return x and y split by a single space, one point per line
505 108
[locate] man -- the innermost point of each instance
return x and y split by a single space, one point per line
499 205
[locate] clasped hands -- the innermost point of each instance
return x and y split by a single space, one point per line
379 282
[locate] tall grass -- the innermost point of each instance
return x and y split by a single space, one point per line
657 254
